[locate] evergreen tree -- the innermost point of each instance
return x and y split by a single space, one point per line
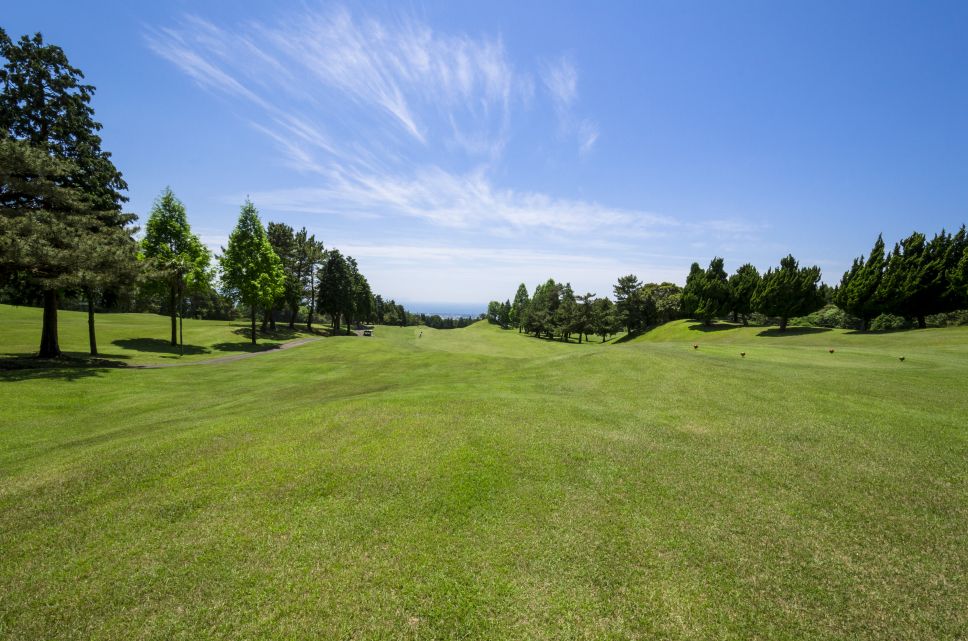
544 305
251 270
586 315
310 253
335 288
691 293
788 291
860 287
54 237
917 279
605 318
519 308
44 103
742 285
110 262
282 237
566 315
707 292
625 301
505 314
176 259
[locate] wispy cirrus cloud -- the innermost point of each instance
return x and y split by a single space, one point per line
560 78
390 118
456 201
405 93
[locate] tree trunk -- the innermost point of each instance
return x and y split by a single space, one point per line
173 302
921 322
292 318
746 321
49 347
579 338
735 317
783 323
312 303
865 323
253 324
265 321
272 319
92 339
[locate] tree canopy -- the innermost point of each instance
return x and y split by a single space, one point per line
251 270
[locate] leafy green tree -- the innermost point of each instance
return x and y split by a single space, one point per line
176 259
251 270
788 291
625 301
44 103
860 288
742 286
665 299
494 312
335 288
519 308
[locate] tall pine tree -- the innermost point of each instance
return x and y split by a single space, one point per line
788 291
45 103
860 288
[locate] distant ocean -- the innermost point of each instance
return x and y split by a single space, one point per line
445 310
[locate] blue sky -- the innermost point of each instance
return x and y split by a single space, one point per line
457 149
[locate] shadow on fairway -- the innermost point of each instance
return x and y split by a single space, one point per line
793 331
244 346
26 367
714 327
158 346
281 333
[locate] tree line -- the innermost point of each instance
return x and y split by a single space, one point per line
917 279
63 231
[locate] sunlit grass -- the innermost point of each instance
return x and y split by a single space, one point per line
482 484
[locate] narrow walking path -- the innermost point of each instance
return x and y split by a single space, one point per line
231 357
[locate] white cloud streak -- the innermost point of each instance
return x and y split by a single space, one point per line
560 78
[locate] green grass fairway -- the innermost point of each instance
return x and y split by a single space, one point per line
480 484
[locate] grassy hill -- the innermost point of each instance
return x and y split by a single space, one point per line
482 484
135 339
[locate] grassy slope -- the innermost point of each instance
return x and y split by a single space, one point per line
133 339
480 484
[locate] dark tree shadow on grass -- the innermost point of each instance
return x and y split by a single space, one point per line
26 367
244 346
713 327
792 331
159 346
